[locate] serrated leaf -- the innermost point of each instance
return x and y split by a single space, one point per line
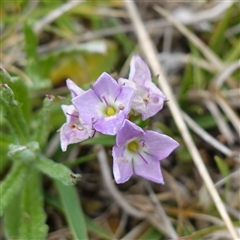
72 210
12 184
56 170
33 217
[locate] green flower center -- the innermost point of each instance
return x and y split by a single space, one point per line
133 146
110 111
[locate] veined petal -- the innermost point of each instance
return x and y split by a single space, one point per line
150 171
159 145
74 88
88 105
122 168
139 71
127 132
106 86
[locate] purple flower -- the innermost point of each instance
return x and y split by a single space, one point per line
74 88
74 130
105 105
147 99
139 152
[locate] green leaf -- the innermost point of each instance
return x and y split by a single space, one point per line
56 170
20 89
217 36
12 218
187 80
13 113
222 166
4 76
33 63
31 44
103 139
91 225
73 210
26 153
43 129
80 160
198 74
5 141
21 93
33 217
233 53
12 184
151 233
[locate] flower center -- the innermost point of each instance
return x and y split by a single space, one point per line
110 111
133 146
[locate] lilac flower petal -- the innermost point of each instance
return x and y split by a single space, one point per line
125 99
70 112
150 171
109 125
106 86
127 83
122 168
128 131
87 104
139 71
74 88
156 100
70 136
159 145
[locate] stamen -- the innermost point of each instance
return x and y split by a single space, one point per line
146 99
105 100
120 107
142 158
142 143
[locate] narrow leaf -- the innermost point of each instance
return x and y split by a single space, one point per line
103 139
12 184
73 210
43 128
13 113
56 170
33 217
12 217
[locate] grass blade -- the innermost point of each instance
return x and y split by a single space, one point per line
73 210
